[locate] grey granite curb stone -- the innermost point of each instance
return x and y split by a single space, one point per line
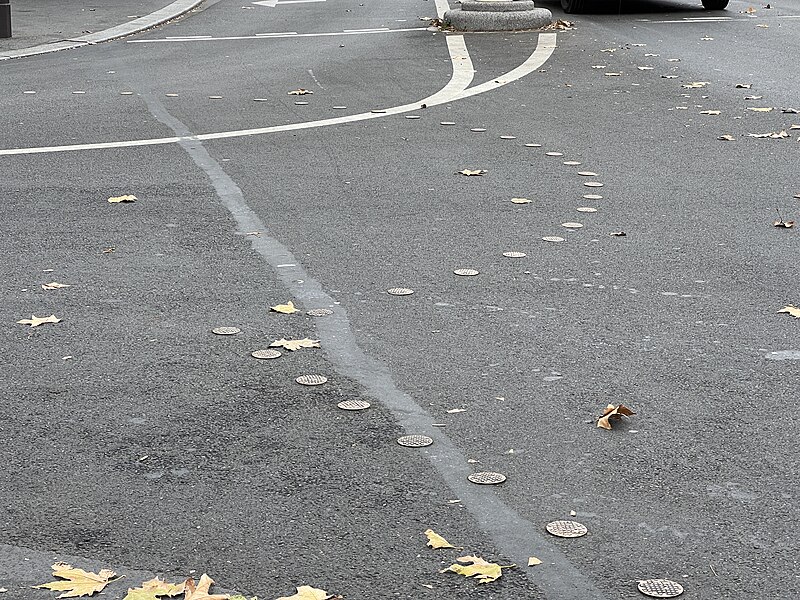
512 20
496 5
172 11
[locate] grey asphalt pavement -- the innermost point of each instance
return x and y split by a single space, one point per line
136 439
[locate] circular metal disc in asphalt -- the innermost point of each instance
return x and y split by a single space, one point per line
513 254
415 441
215 97
126 93
660 588
554 153
487 478
301 103
478 129
447 123
508 137
466 272
319 312
533 145
566 529
342 108
400 291
412 117
572 225
311 379
593 184
520 201
571 163
226 330
353 404
593 196
586 209
553 238
266 353
587 174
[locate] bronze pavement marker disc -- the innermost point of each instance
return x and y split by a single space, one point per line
415 441
487 478
266 354
513 254
319 312
400 291
660 588
566 529
466 272
311 379
353 404
226 330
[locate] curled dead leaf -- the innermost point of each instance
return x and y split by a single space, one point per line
35 321
122 199
618 234
791 310
710 112
533 561
482 570
306 592
727 138
293 345
155 588
472 172
54 285
436 541
77 582
613 413
300 92
200 590
760 108
783 224
286 309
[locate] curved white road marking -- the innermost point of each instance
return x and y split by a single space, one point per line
262 36
456 89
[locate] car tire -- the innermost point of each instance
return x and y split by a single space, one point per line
712 4
576 6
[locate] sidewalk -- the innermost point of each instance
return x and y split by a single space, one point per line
40 26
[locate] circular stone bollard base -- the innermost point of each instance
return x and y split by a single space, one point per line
496 5
494 20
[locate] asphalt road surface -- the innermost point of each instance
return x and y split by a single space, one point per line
135 439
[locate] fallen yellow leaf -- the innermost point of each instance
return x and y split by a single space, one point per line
293 345
78 582
300 92
35 321
760 108
154 588
533 561
54 285
791 310
119 199
286 309
613 413
306 592
483 571
200 591
436 541
472 172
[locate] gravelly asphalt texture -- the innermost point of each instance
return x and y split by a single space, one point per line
158 447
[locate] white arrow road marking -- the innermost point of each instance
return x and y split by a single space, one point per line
456 89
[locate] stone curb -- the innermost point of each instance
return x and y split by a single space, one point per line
472 20
172 11
496 5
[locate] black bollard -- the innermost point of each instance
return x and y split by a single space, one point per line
5 18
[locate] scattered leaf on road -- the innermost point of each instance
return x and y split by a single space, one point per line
306 592
784 224
436 541
760 108
753 97
744 86
695 85
483 571
200 591
618 234
285 309
300 92
293 345
154 588
774 135
520 201
613 413
35 321
791 310
727 138
472 172
120 199
710 112
77 582
54 285
533 561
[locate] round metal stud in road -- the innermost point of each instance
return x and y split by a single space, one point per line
266 354
593 184
311 379
571 163
660 588
400 291
226 330
572 225
513 254
593 196
566 529
415 441
487 478
533 145
554 154
466 272
319 312
354 404
553 238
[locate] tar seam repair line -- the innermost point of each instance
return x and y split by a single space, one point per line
514 536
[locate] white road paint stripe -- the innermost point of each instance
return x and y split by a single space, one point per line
276 35
368 29
456 89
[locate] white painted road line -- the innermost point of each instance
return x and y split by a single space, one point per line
456 89
366 30
260 36
274 3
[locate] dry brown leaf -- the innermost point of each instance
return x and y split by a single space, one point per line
200 591
483 571
791 310
54 285
286 309
613 413
154 588
293 345
35 321
472 172
121 199
750 10
727 138
783 224
306 592
533 561
300 92
436 541
77 582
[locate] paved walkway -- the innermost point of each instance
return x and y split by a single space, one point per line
37 22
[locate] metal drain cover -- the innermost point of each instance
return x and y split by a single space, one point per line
478 129
566 529
572 225
586 209
660 588
487 478
508 137
447 123
415 441
533 145
554 153
571 163
552 238
587 174
520 201
400 291
514 254
226 330
266 354
466 272
319 312
593 196
592 184
311 379
353 404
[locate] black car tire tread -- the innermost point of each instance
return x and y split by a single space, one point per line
576 6
715 4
